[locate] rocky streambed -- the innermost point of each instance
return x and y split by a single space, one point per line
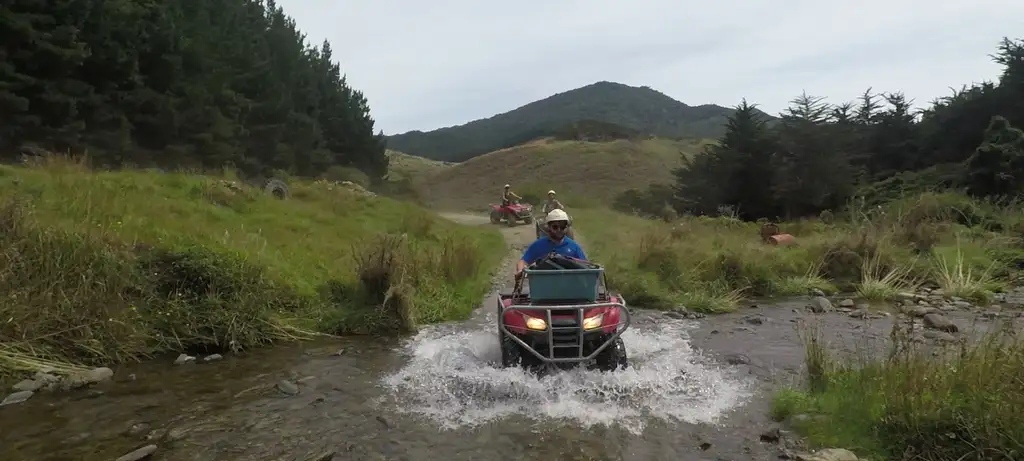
701 389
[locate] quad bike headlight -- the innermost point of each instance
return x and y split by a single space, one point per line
591 323
534 323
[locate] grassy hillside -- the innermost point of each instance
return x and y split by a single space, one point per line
581 172
638 108
402 166
111 266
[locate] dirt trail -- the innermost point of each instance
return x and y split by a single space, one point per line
699 390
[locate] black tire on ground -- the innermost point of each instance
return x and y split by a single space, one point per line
528 220
612 357
495 217
276 188
511 219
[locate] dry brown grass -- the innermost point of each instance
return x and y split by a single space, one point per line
582 172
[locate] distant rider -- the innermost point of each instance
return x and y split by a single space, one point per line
555 241
507 196
552 204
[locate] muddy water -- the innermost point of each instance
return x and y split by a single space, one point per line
698 390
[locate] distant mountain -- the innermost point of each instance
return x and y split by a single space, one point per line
634 109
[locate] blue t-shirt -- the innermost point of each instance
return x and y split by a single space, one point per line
542 246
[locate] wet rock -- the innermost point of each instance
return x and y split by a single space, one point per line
138 429
771 435
29 385
140 454
339 352
176 433
45 377
325 456
737 359
906 296
820 304
78 380
98 375
962 304
183 359
755 319
17 397
919 311
212 357
990 315
940 336
287 387
384 422
940 322
828 454
846 303
705 446
859 314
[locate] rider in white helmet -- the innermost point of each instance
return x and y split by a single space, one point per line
552 203
507 195
555 241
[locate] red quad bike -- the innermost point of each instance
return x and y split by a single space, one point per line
562 316
512 212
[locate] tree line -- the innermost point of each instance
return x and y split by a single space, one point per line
819 156
178 84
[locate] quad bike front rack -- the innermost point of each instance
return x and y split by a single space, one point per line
564 336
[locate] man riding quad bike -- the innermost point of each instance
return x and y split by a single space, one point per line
560 312
507 196
550 206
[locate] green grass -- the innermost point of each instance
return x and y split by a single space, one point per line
103 267
968 249
965 405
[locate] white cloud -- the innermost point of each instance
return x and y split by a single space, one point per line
424 65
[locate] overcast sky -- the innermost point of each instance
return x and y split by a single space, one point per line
426 64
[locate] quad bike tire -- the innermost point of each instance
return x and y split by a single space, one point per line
528 220
511 354
612 357
511 220
495 217
276 188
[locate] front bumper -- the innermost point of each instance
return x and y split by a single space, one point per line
564 340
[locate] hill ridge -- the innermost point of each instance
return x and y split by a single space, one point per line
634 108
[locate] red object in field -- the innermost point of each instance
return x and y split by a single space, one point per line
781 239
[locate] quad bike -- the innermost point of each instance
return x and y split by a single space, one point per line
562 316
512 212
540 226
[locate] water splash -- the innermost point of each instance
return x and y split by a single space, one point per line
453 378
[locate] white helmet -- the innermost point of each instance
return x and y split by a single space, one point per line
557 215
507 186
551 192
